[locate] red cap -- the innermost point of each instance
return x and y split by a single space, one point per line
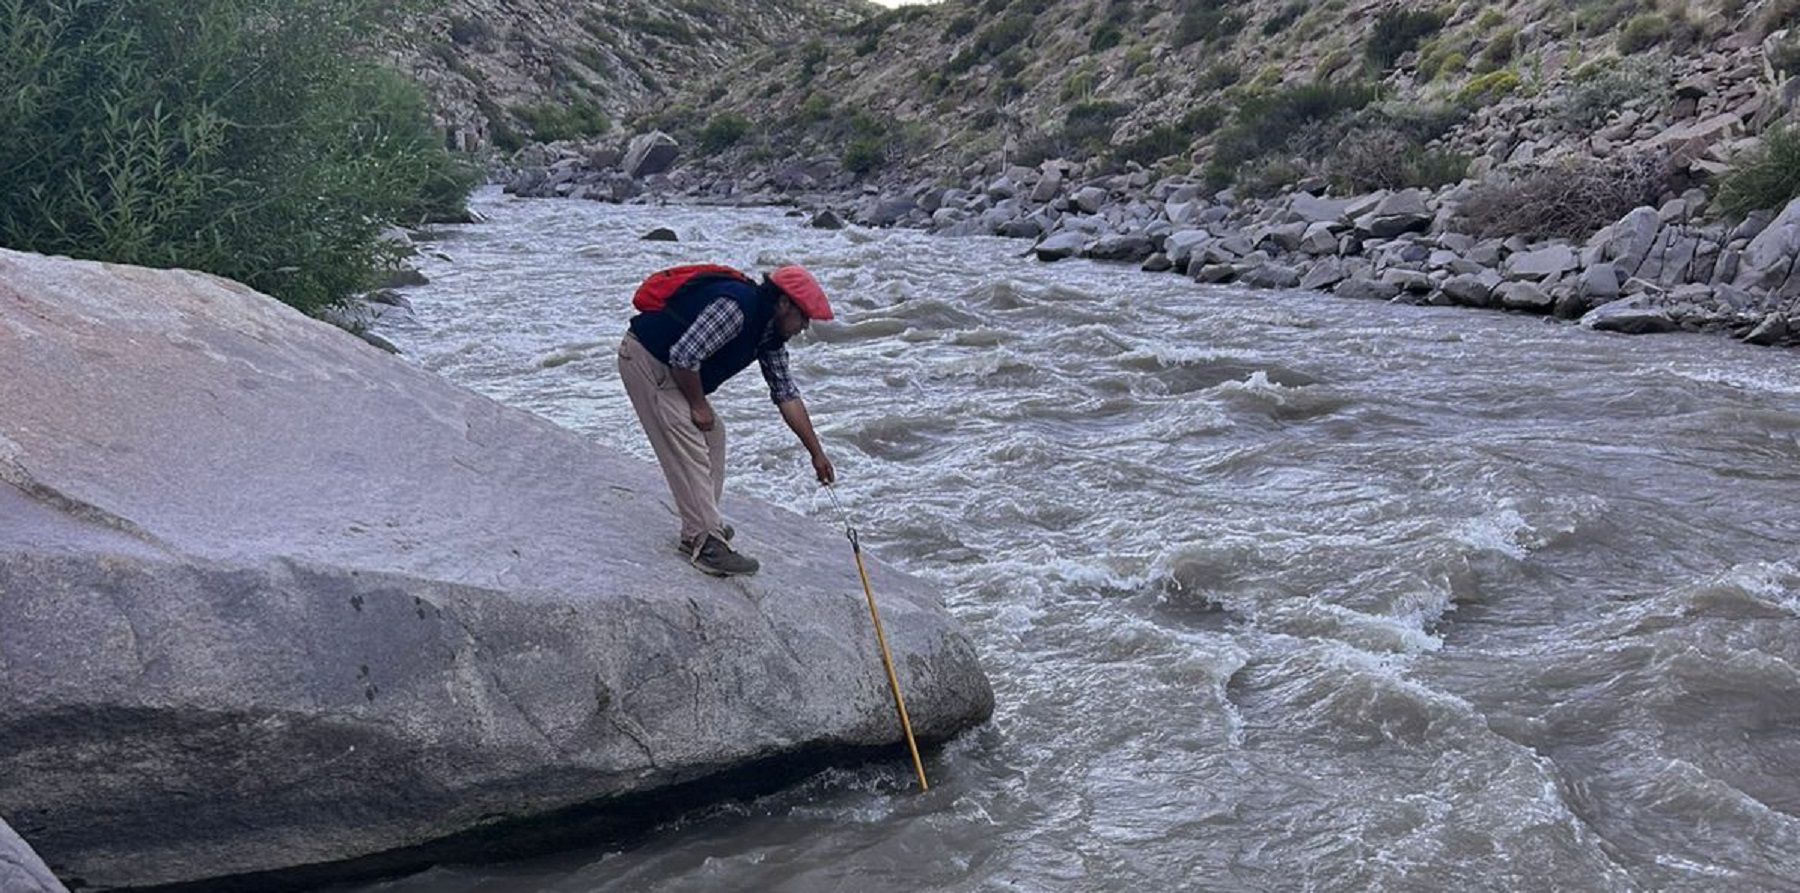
800 285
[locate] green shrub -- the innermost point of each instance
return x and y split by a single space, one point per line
1283 17
723 131
1206 21
1445 66
1088 126
1766 177
1642 33
1600 89
570 119
961 26
1266 122
1398 32
1488 88
1157 143
1105 38
254 143
1499 51
865 154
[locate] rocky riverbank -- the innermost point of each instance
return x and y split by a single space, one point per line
1663 261
1657 269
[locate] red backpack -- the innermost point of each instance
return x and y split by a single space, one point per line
659 286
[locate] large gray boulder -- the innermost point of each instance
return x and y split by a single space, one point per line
650 154
271 598
21 871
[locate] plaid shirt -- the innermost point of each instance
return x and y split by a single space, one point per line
714 328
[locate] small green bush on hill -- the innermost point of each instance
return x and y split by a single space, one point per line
246 140
1766 177
1398 32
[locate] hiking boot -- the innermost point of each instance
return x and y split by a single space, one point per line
713 556
686 545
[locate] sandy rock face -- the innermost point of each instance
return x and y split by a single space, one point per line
271 598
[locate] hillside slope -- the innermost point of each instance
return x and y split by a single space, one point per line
505 72
1173 83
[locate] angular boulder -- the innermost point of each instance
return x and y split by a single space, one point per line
650 154
21 871
274 601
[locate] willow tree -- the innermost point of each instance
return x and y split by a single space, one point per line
255 139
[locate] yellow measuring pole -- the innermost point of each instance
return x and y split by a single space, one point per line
887 660
887 657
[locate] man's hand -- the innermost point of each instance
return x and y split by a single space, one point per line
822 468
702 414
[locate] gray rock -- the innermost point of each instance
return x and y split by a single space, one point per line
1765 262
827 219
1090 199
1545 263
1415 281
661 234
1527 296
275 599
1132 247
1772 330
1632 316
1180 244
1366 288
1319 239
1049 184
1158 263
1060 245
888 211
1629 241
1599 282
1271 275
1215 273
650 154
1306 208
1470 290
1324 274
21 871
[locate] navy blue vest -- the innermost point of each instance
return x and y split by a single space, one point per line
659 331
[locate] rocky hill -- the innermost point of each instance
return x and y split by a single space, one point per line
503 73
1550 156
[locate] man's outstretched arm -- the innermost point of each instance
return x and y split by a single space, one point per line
793 411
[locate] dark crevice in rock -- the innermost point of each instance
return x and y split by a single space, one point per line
621 822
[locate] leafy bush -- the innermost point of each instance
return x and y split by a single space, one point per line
1398 32
1642 33
1088 126
1105 38
1283 17
1766 177
1269 121
570 119
1569 200
247 140
723 131
865 154
1499 51
1596 91
1206 21
1488 88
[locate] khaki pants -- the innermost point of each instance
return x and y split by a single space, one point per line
693 461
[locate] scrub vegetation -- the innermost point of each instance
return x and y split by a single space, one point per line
241 139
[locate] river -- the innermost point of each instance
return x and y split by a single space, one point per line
1278 591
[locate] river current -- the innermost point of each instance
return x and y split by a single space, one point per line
1278 591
